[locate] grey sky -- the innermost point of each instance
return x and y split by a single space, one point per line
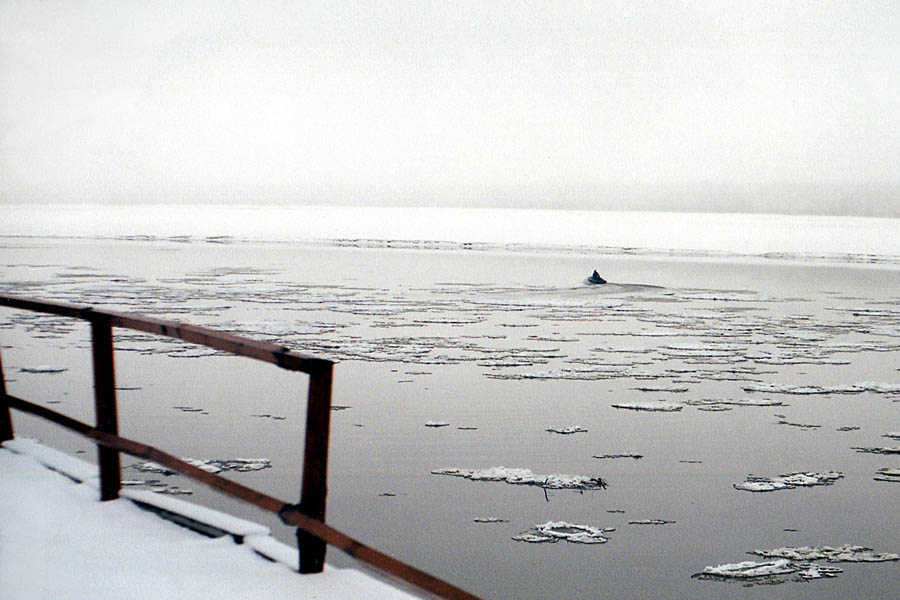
788 106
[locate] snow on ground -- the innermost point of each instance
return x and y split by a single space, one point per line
57 540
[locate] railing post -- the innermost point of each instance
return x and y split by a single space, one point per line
105 405
315 467
6 428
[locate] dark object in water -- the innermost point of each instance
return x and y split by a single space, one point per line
596 279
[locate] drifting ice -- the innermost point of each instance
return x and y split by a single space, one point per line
42 369
209 465
845 553
733 402
649 406
786 565
518 476
887 474
553 531
749 569
754 483
804 390
568 430
770 572
885 450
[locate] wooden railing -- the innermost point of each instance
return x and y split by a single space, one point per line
308 516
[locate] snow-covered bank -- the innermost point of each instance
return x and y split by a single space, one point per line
57 540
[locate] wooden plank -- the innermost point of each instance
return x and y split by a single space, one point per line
45 413
6 427
105 405
62 309
314 489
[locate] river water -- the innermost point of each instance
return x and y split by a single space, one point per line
762 357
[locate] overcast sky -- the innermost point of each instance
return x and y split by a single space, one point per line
786 106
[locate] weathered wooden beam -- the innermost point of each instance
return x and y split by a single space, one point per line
62 309
314 489
105 405
6 427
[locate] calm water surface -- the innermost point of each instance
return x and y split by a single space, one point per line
502 346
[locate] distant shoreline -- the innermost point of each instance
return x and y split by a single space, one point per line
868 241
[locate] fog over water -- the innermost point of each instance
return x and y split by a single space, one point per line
750 107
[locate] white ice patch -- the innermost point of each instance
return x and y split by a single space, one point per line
707 402
554 531
845 553
560 374
650 522
208 465
519 476
47 369
775 571
649 406
663 388
749 569
887 474
568 430
755 483
875 450
234 464
808 390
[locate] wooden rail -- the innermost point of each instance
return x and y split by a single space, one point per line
313 534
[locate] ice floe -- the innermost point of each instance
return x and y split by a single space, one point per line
649 406
46 369
887 474
151 467
876 450
894 435
808 390
234 464
269 416
650 522
674 389
554 531
436 424
208 465
489 520
568 430
706 402
561 374
755 483
520 476
802 426
774 571
622 455
845 553
750 569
